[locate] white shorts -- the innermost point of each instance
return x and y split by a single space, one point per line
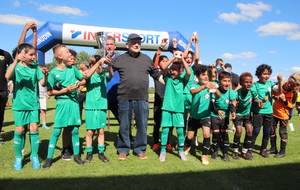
43 103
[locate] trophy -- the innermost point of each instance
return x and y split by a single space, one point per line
101 42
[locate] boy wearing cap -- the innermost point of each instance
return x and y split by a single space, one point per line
281 109
134 68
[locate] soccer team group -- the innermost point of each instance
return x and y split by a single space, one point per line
190 96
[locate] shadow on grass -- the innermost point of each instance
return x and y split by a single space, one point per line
285 176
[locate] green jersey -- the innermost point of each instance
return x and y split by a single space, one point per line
260 91
223 102
244 103
26 88
65 77
200 108
191 79
96 97
173 97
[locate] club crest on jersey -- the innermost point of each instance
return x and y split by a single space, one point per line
227 101
206 96
269 89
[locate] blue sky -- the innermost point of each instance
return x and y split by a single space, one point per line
244 33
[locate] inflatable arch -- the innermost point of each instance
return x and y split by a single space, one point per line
52 33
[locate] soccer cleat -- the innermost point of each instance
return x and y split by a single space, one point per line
35 163
45 127
205 160
264 154
182 156
65 154
89 157
215 155
18 164
235 155
162 156
280 155
155 147
103 157
272 151
47 163
226 158
78 160
169 148
247 156
187 150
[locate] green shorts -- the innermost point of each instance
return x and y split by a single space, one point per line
23 117
172 119
66 113
95 119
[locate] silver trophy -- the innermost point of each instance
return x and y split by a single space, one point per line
101 42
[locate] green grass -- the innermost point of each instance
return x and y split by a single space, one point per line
133 173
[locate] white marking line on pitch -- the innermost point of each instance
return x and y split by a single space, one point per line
51 112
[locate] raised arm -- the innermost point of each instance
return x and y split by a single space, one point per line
94 68
164 66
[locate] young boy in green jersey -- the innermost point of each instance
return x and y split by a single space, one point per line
200 111
220 116
244 101
63 84
173 104
25 75
96 106
262 105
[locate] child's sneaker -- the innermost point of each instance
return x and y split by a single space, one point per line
215 155
226 158
78 160
47 163
205 160
235 155
162 156
18 164
169 148
155 147
103 157
45 127
88 157
65 154
182 156
35 163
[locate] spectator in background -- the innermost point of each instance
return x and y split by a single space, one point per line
235 79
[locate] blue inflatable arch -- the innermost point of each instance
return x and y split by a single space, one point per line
52 33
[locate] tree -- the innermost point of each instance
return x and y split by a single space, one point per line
82 56
51 65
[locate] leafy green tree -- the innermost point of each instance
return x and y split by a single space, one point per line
82 56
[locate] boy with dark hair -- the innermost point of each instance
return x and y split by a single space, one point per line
63 85
262 105
173 104
283 103
25 75
220 116
244 100
200 111
96 106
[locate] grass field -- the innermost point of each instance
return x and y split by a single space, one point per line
133 173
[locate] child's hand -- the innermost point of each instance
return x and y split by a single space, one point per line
20 57
234 103
45 71
260 103
33 26
71 88
107 60
282 97
221 114
266 98
279 78
175 42
211 85
233 116
164 42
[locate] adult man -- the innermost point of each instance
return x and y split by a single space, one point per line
112 85
5 60
235 79
134 67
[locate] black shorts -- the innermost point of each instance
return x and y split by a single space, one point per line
242 120
217 123
195 124
259 119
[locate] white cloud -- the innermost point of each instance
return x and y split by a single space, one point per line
62 10
294 69
16 3
277 11
248 12
272 52
245 65
243 55
17 20
290 29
